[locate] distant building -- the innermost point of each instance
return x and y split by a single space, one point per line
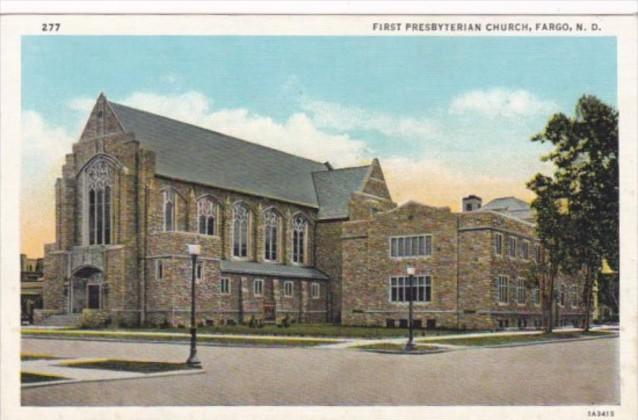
281 236
31 281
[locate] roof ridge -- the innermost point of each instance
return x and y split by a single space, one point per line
216 132
342 169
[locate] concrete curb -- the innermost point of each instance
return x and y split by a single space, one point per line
530 343
145 376
402 352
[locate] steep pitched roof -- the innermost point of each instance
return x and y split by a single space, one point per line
510 206
334 189
195 154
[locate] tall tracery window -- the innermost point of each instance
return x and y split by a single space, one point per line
271 234
169 210
99 184
299 233
207 216
240 230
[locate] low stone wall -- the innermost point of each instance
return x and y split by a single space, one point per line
39 315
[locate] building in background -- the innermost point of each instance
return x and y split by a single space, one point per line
31 282
281 236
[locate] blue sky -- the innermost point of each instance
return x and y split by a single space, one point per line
447 116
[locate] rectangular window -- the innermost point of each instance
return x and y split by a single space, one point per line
314 290
411 246
400 289
199 271
520 291
288 288
524 249
498 244
536 296
511 246
258 287
159 269
574 296
224 286
501 282
562 298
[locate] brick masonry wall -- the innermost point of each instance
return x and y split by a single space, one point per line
368 266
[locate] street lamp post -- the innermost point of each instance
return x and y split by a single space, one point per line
410 344
193 361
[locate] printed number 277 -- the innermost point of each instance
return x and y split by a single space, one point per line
50 27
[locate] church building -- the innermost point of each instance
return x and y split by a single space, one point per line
281 236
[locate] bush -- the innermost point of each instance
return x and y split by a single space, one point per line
94 318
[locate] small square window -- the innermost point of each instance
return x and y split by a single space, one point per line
159 269
258 287
199 271
224 286
288 287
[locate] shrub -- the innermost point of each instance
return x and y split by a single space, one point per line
94 318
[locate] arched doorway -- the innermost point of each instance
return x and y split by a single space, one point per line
87 289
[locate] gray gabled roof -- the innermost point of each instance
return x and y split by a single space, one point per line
334 189
271 270
511 206
195 154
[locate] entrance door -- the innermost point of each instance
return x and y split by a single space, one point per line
93 292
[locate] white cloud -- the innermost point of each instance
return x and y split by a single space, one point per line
339 117
81 105
501 103
298 134
43 149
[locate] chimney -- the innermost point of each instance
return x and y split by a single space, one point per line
471 203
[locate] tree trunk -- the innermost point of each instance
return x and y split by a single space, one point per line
548 311
589 288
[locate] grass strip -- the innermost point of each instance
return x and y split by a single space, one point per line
31 377
306 330
25 357
128 366
179 338
396 346
516 339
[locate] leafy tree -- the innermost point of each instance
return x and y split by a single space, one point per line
584 189
551 227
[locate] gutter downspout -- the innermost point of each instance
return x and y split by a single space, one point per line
145 260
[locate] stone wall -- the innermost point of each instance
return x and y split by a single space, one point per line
368 266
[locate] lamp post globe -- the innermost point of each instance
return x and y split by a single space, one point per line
193 361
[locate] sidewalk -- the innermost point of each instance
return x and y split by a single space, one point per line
331 343
69 374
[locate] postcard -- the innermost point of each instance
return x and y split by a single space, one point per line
327 216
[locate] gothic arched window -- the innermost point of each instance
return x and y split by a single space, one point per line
299 239
207 216
241 220
271 235
99 183
169 210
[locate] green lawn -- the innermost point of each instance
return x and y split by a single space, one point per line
129 366
397 347
513 339
28 356
131 335
309 330
30 378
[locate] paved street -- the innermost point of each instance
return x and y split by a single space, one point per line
581 372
